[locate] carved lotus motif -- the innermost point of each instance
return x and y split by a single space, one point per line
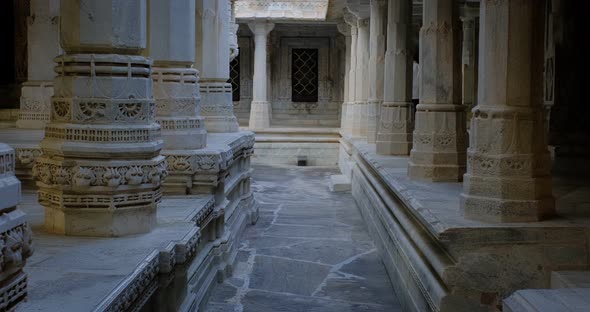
134 175
84 177
112 177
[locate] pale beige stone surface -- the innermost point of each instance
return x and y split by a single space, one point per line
508 164
440 137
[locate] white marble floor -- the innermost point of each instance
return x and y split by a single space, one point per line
309 251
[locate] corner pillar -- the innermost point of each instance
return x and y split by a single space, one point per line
508 169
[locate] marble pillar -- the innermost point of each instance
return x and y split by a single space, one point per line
42 47
101 170
15 235
344 29
376 64
171 46
212 60
260 110
439 138
395 126
468 65
359 123
351 108
508 170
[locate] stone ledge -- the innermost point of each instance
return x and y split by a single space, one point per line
449 263
549 300
126 270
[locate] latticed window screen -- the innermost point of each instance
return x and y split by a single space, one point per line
234 78
304 76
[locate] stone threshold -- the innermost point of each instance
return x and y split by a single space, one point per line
116 274
439 261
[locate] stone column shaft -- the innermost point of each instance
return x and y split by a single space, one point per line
212 60
344 29
508 170
43 46
260 107
438 152
468 65
351 109
395 126
376 64
100 173
359 126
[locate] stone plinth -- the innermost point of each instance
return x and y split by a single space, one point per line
438 260
100 172
15 235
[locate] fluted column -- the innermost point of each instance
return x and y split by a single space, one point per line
376 64
42 47
359 124
438 152
351 20
344 29
260 107
508 170
212 60
100 173
395 127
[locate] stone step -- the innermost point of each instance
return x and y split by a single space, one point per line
549 300
570 279
339 183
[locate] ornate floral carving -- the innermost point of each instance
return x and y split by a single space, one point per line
91 111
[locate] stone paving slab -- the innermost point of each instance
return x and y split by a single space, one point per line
309 251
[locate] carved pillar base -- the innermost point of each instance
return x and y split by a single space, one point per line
438 153
35 103
395 129
509 171
15 234
217 107
359 119
178 108
100 172
259 115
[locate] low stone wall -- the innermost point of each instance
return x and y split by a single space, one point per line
439 261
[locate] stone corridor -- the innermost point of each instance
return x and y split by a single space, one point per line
309 251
